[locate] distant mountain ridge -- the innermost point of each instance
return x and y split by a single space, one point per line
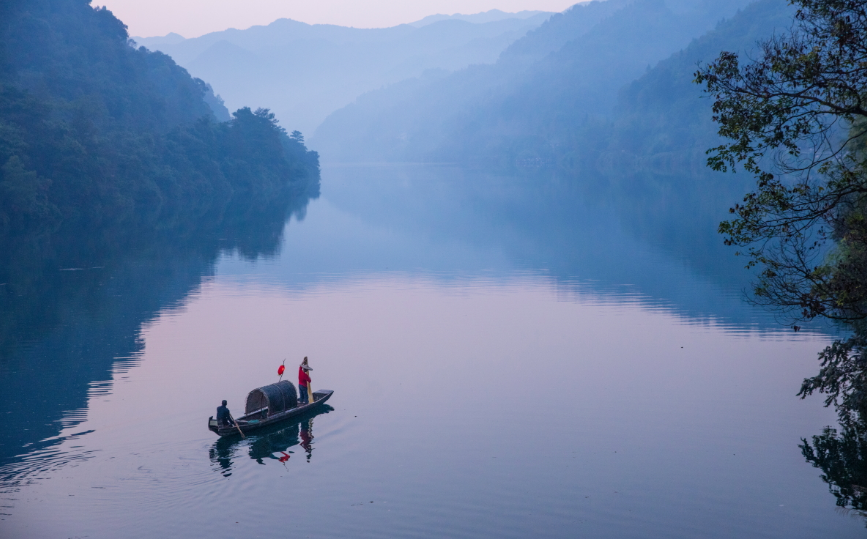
150 42
487 16
533 102
305 72
561 28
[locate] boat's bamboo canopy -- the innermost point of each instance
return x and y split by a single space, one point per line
276 397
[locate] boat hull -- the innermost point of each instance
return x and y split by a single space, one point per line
256 420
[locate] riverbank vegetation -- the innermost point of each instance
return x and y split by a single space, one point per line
94 130
795 117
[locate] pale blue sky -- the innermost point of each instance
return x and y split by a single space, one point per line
192 18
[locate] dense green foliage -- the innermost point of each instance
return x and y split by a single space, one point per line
95 130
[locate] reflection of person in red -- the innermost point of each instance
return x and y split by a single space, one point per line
307 437
303 381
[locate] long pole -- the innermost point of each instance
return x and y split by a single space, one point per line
236 426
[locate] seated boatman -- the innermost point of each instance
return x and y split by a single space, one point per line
224 418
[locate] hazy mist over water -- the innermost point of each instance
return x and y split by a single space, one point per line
481 387
508 271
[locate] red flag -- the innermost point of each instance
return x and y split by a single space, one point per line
281 370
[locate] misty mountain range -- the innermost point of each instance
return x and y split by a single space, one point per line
566 94
304 72
604 86
486 16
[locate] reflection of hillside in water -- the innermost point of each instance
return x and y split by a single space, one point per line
73 303
649 244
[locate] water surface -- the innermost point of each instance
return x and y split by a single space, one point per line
510 358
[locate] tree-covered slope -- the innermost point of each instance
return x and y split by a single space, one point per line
662 120
532 102
561 28
68 52
95 130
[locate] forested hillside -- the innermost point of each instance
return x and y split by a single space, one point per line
93 130
663 122
554 96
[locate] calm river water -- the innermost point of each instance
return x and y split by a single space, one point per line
506 363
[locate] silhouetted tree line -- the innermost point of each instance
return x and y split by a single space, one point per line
94 130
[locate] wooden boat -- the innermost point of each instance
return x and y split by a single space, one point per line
268 405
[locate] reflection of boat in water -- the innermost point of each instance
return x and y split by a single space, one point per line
268 405
269 442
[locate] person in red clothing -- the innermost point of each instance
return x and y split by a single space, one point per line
303 381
